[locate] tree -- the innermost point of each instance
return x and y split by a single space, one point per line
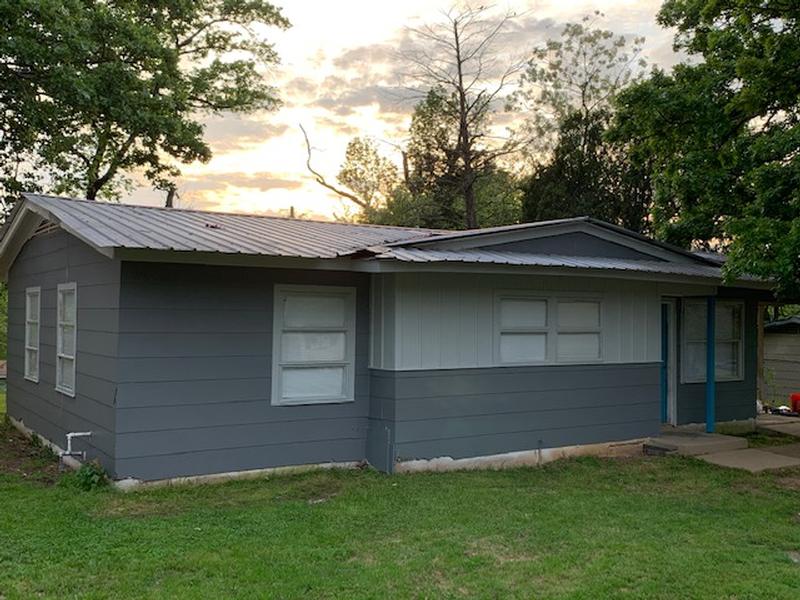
579 73
93 91
459 60
722 133
566 93
587 175
428 194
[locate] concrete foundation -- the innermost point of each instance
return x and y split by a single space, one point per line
525 458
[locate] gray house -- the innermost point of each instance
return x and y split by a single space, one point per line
192 343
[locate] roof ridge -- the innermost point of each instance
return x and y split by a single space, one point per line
235 214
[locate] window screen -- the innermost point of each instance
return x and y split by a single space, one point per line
66 337
729 335
314 345
33 297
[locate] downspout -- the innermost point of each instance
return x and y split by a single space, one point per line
711 363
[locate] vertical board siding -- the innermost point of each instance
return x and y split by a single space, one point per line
781 366
445 321
473 412
735 400
46 261
195 364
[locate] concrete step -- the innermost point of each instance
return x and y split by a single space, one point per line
693 443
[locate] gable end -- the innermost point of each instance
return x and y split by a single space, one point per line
576 243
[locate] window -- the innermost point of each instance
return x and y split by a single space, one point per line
314 345
66 336
578 330
729 336
535 330
33 311
523 329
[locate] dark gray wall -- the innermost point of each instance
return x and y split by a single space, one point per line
474 412
573 244
195 363
46 261
736 400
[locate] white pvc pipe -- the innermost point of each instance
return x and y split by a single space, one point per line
70 436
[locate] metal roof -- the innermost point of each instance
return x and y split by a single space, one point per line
110 226
707 258
113 225
788 324
424 255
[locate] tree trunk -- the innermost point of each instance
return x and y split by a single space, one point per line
91 190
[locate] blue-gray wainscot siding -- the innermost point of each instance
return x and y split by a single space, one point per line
474 412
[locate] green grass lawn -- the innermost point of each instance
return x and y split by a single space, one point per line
589 528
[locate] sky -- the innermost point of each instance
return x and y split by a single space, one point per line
339 77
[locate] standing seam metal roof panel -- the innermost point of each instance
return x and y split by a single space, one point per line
110 225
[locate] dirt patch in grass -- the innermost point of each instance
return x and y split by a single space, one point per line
315 488
762 438
24 457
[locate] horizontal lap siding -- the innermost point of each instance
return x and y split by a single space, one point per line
195 371
472 412
47 261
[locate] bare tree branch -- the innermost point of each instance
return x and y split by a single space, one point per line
320 179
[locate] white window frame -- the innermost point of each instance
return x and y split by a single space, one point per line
551 329
60 356
703 339
281 293
29 343
598 329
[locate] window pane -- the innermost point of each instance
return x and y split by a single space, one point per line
694 326
578 346
523 347
577 315
521 313
694 360
304 347
67 345
32 335
67 306
65 374
727 359
729 321
32 307
305 310
32 364
321 382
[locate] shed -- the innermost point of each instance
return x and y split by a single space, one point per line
781 360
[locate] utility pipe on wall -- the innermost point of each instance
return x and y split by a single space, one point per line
70 436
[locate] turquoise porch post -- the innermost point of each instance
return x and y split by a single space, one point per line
711 368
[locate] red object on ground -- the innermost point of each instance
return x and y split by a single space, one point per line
795 399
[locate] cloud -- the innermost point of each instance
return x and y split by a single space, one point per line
262 182
231 132
372 54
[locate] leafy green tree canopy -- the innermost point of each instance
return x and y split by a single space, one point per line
587 175
723 136
91 91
